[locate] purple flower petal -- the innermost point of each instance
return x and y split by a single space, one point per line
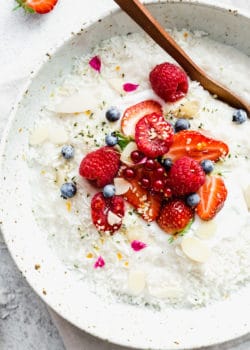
99 262
128 87
137 245
95 63
143 161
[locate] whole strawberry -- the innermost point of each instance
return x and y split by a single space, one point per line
186 176
175 216
100 166
169 81
37 6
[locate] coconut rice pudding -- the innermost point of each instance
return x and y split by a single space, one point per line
142 177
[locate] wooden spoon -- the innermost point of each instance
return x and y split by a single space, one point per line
148 23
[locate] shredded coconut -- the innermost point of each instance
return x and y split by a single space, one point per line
166 275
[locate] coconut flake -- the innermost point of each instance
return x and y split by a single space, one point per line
125 155
39 135
195 249
206 230
138 245
78 102
135 232
113 219
188 110
121 185
136 281
129 87
99 262
96 63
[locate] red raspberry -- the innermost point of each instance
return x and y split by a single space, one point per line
175 216
153 135
186 176
100 166
169 81
100 207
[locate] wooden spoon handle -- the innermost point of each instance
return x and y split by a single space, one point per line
138 12
145 20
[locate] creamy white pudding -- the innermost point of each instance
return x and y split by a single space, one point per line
213 258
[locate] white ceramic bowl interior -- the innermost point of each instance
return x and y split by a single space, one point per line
62 290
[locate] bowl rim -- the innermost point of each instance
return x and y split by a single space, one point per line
223 7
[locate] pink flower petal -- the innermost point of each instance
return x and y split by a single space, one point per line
128 87
137 245
95 63
99 262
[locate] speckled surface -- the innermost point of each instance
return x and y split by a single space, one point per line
25 322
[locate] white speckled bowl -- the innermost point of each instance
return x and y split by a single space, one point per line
119 323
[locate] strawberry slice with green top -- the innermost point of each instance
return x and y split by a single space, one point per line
37 6
197 146
213 195
134 113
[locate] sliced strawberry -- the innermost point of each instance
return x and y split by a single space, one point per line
147 204
143 195
134 113
37 6
175 216
100 211
213 195
153 135
197 146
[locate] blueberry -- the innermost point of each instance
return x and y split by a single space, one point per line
113 114
67 151
68 190
108 191
111 140
181 124
167 163
193 200
239 116
207 165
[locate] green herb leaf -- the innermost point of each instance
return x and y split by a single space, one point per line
187 228
123 140
171 240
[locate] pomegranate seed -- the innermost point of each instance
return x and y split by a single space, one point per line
160 171
145 182
136 156
167 192
158 185
129 173
150 164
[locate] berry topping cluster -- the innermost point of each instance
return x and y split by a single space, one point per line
163 169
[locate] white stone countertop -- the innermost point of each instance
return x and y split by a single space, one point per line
25 322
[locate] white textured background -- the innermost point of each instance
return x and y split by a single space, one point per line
24 321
